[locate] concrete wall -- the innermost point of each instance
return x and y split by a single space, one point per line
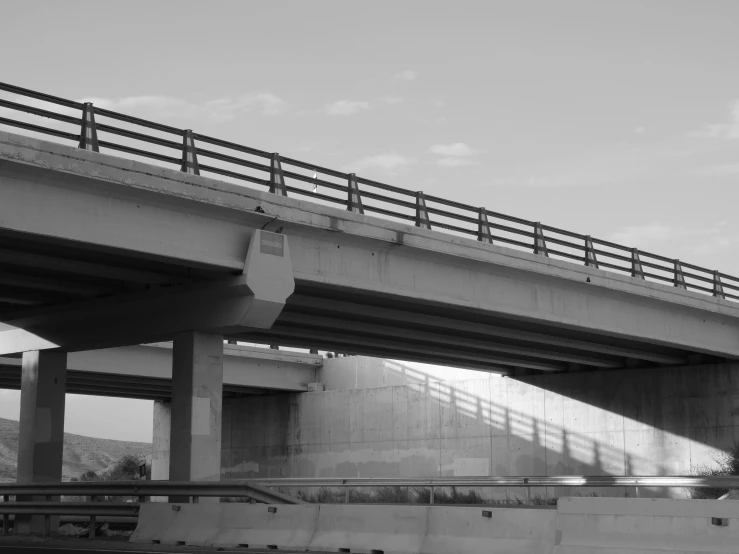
402 423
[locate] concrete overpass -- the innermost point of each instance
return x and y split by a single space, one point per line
99 251
145 371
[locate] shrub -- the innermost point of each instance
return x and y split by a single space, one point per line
727 464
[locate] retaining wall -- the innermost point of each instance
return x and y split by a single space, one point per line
385 420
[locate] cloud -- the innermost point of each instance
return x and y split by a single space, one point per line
689 240
455 162
722 169
221 109
640 130
455 149
391 100
728 130
387 162
406 75
555 181
454 155
347 107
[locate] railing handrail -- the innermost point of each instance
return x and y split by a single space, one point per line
589 250
245 487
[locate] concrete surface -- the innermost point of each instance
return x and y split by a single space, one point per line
578 526
197 384
155 215
625 422
41 432
611 525
246 369
340 528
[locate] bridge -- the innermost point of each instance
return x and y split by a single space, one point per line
101 243
100 251
144 371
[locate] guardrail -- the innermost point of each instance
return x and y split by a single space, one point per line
257 489
27 497
423 210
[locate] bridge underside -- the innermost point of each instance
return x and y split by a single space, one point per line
46 274
119 386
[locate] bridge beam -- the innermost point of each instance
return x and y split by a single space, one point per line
251 300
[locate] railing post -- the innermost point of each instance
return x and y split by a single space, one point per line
679 276
483 227
422 214
89 132
431 496
276 177
540 245
636 268
47 519
590 259
93 520
189 154
354 203
346 494
718 288
6 518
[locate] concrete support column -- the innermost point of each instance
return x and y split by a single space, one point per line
197 394
162 426
41 436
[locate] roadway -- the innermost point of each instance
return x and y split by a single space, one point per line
11 545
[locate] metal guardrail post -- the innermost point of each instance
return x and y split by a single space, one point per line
47 519
93 520
6 518
88 133
431 496
346 494
718 288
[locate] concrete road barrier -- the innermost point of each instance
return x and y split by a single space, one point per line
578 526
370 529
262 526
476 530
647 525
189 524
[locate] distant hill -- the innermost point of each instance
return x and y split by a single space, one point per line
81 454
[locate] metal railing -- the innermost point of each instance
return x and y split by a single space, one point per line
28 497
246 164
257 490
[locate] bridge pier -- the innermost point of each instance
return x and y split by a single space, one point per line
41 434
197 391
162 429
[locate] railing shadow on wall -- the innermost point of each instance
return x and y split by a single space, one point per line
486 426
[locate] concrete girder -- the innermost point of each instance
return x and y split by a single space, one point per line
377 352
89 269
10 278
313 321
353 341
144 370
427 321
253 299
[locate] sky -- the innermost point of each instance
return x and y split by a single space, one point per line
614 119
